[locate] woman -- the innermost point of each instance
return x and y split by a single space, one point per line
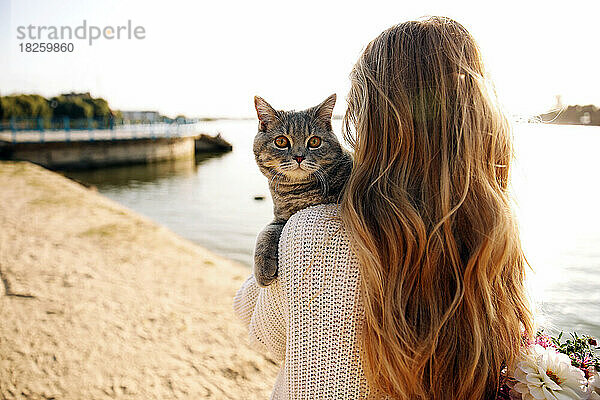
413 287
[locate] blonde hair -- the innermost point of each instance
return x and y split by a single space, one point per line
428 209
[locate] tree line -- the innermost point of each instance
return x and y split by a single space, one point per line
70 105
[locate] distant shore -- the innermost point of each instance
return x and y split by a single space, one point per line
573 115
99 302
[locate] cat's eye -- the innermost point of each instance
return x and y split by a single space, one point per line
281 142
314 142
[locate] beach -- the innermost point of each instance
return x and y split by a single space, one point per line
99 302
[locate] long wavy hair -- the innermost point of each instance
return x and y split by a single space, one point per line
428 208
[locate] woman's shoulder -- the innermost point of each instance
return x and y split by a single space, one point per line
315 215
317 228
312 222
315 254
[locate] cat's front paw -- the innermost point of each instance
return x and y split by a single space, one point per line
266 254
265 270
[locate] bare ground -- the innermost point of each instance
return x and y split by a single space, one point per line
97 302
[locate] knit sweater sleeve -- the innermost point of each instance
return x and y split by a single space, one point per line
263 311
319 278
310 316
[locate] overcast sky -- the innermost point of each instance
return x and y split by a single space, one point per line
209 58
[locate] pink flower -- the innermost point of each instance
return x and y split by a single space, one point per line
543 340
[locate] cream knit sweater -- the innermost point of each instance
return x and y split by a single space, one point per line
309 317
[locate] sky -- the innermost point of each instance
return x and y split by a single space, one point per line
209 58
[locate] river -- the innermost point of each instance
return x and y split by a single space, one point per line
555 182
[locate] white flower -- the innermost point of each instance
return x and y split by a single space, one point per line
544 374
594 386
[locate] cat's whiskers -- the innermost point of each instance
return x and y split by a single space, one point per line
273 178
311 166
279 175
322 180
286 166
276 178
315 171
294 173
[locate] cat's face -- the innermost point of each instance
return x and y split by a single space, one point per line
295 146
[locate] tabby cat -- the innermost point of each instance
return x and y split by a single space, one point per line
305 164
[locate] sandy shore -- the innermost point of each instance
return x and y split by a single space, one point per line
98 302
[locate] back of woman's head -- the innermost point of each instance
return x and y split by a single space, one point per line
428 209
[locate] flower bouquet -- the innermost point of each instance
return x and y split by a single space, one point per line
554 370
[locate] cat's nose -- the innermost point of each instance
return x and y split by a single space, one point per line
299 158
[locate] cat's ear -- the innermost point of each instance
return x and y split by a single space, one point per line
325 109
266 114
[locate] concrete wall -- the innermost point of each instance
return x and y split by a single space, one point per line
101 153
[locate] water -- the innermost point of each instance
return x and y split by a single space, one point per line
211 202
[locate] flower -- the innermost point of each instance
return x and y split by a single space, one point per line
594 386
544 374
544 340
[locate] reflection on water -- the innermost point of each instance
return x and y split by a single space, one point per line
131 177
138 175
211 202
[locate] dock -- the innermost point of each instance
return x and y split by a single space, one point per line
97 148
